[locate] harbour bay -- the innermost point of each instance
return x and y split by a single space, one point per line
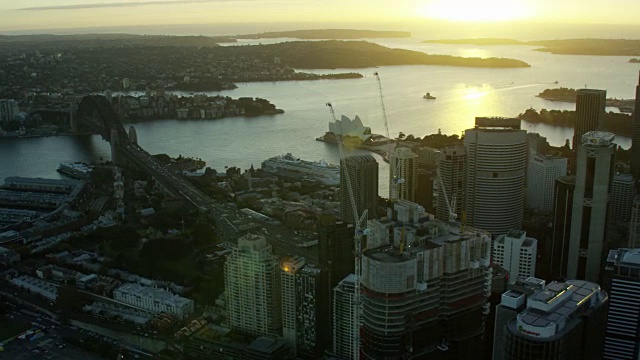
462 94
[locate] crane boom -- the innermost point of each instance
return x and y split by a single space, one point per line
396 180
360 231
450 205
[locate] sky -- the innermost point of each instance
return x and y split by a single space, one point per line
69 14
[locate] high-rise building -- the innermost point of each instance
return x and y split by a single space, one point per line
252 287
541 177
594 173
590 111
564 321
557 251
345 328
424 196
635 145
313 312
403 178
516 253
289 266
363 176
622 194
306 307
335 248
622 282
8 110
634 224
425 295
496 175
452 167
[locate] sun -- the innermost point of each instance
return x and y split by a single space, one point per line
474 10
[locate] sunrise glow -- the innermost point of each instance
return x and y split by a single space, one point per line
471 10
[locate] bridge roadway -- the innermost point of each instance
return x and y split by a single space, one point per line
228 219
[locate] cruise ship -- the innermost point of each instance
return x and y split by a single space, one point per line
291 166
75 170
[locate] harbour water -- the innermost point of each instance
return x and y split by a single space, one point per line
462 94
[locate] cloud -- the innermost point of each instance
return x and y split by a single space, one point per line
118 4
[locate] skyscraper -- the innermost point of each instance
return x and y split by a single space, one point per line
541 177
345 328
555 255
496 175
363 175
424 195
634 224
635 145
289 266
565 321
622 282
590 111
622 194
313 312
252 287
516 253
403 163
425 294
452 167
594 173
335 248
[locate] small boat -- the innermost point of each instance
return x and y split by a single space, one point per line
556 82
428 96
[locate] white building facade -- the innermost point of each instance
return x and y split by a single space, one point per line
496 176
516 253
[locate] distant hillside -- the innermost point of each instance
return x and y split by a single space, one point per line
361 54
331 34
617 47
115 40
610 47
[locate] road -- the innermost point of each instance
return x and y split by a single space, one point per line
231 222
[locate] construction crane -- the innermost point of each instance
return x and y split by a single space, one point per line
451 206
396 178
361 230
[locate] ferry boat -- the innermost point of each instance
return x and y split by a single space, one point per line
428 96
75 170
291 166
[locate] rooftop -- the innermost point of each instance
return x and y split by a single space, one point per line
548 310
154 293
598 138
624 257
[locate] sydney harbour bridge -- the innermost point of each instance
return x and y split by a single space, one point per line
96 115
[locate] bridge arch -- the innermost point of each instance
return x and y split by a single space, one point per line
96 114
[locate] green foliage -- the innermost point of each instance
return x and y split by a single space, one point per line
438 141
617 123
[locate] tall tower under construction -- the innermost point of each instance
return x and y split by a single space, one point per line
424 295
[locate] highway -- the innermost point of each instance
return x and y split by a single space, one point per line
230 221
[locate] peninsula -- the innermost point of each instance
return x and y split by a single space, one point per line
636 61
333 34
361 54
605 47
569 95
617 123
171 106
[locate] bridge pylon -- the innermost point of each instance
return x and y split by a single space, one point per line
115 142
